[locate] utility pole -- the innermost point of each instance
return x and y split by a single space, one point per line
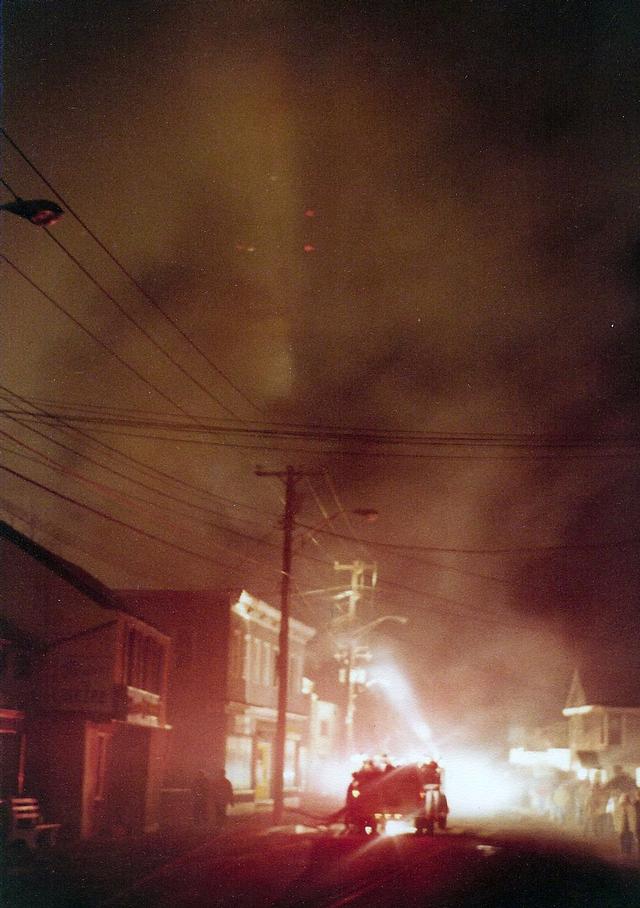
290 476
358 571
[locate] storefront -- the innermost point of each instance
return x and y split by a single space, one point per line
249 754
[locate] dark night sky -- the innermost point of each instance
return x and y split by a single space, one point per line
473 173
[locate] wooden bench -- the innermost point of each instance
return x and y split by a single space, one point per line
23 822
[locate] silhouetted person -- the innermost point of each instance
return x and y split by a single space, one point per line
625 823
200 794
221 796
620 783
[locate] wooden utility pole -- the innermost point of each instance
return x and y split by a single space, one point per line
290 476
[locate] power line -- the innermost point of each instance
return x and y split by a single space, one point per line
153 302
169 356
337 452
139 464
125 497
380 434
228 530
130 479
515 550
475 615
122 523
93 336
131 320
114 419
138 530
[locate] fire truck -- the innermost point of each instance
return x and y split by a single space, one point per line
396 798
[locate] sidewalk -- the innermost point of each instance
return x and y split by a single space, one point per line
83 874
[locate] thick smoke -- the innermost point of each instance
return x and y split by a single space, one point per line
471 175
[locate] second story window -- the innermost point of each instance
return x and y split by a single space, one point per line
256 661
267 664
295 674
143 661
614 729
236 658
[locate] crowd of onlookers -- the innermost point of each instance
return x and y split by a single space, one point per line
596 808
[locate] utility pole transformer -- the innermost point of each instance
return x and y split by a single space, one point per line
358 571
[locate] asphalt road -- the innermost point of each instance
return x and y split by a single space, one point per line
489 863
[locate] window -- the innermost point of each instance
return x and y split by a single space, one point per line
100 766
238 761
256 660
143 660
614 729
236 657
246 661
290 762
295 674
267 665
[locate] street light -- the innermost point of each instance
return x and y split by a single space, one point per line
41 212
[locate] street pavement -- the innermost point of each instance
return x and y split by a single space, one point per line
85 874
249 863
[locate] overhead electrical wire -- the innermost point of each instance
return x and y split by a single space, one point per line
56 533
91 334
123 311
575 450
440 549
125 496
512 550
150 338
139 464
470 613
128 478
348 452
127 315
150 299
110 518
112 419
101 487
366 439
381 434
474 615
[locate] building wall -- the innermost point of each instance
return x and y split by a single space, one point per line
40 603
612 734
55 767
222 699
198 625
91 725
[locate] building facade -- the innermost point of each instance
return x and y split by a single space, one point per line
89 700
17 653
223 688
603 709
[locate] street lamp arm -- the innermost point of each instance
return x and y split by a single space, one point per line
368 514
400 619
